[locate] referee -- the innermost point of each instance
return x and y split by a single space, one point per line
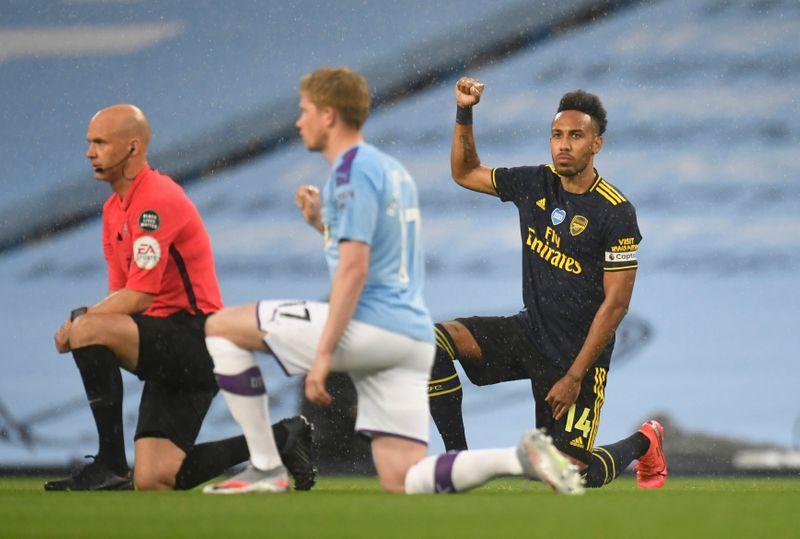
579 238
162 286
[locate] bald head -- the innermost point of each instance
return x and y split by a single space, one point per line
124 120
118 137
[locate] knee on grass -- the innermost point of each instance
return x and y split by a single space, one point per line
393 485
152 478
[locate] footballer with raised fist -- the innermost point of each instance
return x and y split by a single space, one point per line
579 239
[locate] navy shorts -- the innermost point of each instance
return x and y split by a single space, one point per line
508 354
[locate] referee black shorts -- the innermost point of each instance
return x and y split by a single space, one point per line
178 374
508 353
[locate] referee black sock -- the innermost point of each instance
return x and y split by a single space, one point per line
206 461
444 390
103 384
609 461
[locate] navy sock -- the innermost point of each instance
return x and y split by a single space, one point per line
609 461
206 461
444 390
102 381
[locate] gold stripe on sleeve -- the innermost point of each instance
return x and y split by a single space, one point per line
607 194
622 268
613 190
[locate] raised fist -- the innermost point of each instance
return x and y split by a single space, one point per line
307 199
468 92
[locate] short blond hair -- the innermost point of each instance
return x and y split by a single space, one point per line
340 88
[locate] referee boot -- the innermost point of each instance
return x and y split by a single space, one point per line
298 452
93 476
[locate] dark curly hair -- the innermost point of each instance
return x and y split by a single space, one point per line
587 103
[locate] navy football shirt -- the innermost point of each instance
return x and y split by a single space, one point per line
568 242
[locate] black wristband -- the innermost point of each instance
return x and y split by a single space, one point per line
463 115
75 313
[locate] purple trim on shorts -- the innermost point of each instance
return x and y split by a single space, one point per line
271 352
443 474
268 350
375 433
248 383
258 316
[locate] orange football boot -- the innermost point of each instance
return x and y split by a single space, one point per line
651 469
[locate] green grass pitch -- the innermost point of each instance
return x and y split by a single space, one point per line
355 507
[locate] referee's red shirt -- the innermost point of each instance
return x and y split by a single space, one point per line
155 242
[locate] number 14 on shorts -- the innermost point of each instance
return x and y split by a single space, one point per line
582 424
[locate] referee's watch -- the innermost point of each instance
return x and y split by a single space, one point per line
75 313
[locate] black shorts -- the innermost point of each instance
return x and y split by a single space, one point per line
178 374
509 354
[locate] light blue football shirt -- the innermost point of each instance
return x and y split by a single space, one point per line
371 198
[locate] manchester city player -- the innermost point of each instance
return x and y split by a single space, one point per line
375 327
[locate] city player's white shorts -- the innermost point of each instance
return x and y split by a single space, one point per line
390 371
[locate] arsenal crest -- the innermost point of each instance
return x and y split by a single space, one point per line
578 224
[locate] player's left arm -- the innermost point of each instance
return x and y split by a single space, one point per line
348 282
618 288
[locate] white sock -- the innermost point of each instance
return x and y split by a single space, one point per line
240 382
474 468
462 470
420 478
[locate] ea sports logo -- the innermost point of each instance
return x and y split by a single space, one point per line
146 252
